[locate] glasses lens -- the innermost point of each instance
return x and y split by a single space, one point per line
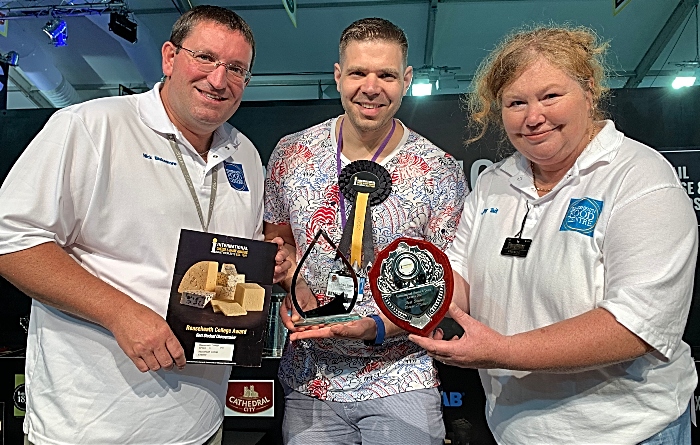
237 74
208 63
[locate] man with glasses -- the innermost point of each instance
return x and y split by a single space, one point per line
90 218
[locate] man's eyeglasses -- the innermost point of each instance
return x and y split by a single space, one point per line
207 63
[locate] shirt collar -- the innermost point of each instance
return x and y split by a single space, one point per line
152 113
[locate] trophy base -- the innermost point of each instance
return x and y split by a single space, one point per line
327 320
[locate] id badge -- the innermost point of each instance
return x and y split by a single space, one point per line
361 293
518 247
340 285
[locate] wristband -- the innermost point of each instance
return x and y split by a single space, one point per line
379 339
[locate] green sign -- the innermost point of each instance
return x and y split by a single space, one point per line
19 396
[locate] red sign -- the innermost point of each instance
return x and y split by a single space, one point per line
250 397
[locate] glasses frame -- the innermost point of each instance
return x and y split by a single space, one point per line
233 72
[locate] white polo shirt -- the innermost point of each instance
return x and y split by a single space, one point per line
102 181
618 232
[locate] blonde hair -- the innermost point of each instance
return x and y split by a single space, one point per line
575 50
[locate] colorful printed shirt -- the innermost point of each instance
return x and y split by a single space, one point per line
426 200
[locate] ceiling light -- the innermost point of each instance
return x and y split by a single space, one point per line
422 87
686 75
120 24
683 81
57 30
11 58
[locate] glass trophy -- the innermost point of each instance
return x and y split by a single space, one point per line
336 296
412 284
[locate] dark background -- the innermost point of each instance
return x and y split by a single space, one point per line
662 118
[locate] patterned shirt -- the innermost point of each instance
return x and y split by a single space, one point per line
427 195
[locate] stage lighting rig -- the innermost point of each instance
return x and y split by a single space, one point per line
121 25
11 58
57 30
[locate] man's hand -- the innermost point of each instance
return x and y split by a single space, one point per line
282 263
147 339
306 299
362 329
47 274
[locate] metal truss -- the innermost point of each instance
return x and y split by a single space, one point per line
63 10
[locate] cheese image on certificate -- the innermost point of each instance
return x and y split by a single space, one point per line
226 290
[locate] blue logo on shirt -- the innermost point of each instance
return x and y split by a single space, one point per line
236 177
582 216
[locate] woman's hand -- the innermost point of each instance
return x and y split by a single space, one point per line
479 346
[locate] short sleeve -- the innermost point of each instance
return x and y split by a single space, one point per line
649 257
47 194
457 253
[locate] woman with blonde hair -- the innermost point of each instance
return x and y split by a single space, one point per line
574 258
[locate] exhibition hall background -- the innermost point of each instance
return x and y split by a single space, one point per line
668 120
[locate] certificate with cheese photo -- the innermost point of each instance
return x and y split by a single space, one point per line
220 297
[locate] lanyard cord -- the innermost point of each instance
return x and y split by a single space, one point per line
343 218
186 174
522 226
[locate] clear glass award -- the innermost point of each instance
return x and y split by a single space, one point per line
333 298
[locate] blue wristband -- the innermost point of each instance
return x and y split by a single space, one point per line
381 331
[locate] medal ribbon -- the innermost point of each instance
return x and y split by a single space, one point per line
357 229
362 225
343 218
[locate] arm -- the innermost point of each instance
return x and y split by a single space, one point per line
49 275
646 302
362 329
460 294
44 199
570 345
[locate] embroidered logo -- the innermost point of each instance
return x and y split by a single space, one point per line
582 216
235 176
